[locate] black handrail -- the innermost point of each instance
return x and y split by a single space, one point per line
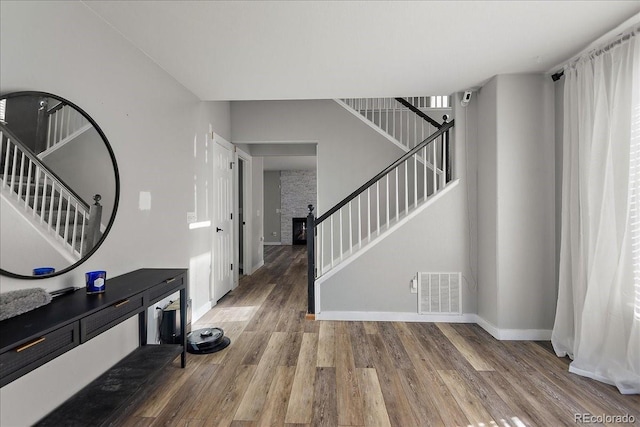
27 152
417 111
443 129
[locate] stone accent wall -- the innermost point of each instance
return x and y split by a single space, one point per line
297 190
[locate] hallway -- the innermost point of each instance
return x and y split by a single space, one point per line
281 369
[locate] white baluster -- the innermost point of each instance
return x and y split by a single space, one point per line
36 191
424 168
28 193
415 180
82 231
75 227
433 165
340 234
369 214
59 213
387 201
331 235
52 197
350 230
66 221
378 206
406 187
21 177
359 221
394 118
13 168
386 107
397 195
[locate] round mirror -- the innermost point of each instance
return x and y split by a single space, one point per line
59 185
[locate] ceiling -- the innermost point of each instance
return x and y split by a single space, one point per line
255 50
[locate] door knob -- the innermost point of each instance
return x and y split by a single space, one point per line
218 229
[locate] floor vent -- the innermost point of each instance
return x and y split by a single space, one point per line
439 293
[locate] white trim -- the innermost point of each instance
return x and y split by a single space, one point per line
200 311
272 243
514 334
386 232
382 316
240 154
372 125
256 267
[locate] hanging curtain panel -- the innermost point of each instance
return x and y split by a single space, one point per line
598 313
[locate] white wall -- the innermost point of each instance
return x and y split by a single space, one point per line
151 122
516 203
349 153
272 207
487 202
257 214
378 281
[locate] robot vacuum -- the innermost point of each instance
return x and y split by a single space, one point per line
207 340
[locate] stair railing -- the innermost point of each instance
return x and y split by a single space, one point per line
401 118
58 124
378 204
42 194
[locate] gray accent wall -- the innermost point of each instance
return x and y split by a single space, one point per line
298 190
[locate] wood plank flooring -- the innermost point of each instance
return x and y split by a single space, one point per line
283 370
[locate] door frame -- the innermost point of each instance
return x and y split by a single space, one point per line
217 139
247 215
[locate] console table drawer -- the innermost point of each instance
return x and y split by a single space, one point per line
168 286
106 318
30 355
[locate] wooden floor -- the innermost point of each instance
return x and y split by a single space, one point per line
281 369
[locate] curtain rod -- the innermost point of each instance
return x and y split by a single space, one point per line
614 36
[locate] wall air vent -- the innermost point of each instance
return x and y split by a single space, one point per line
439 293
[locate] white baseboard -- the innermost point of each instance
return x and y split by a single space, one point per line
272 243
513 334
377 316
200 311
381 316
256 267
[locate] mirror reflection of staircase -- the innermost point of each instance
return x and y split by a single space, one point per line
44 201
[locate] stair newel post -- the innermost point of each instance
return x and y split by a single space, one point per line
93 227
447 153
311 257
41 127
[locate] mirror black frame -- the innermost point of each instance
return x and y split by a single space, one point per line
115 172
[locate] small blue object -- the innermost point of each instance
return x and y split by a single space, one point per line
96 281
43 271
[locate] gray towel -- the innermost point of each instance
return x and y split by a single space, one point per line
13 303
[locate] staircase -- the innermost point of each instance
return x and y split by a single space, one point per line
45 201
391 197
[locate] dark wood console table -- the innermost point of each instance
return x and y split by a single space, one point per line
32 339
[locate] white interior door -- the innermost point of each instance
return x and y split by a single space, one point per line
222 218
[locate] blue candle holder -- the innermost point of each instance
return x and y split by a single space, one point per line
96 281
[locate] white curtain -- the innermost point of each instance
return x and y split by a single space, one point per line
598 313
